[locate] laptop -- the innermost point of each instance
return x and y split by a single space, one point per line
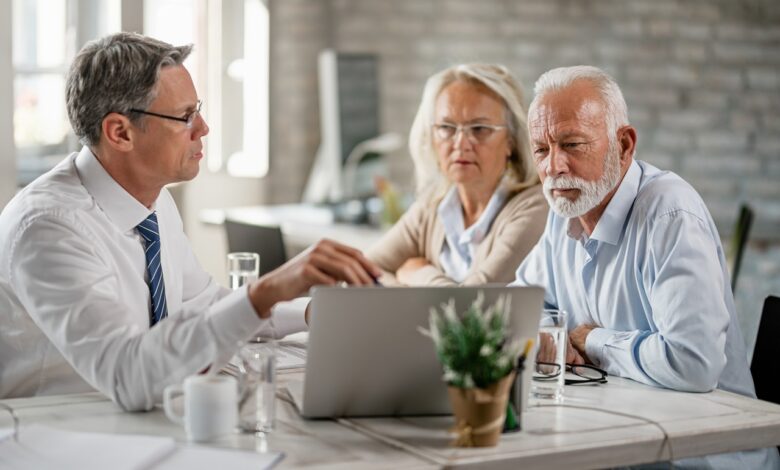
366 356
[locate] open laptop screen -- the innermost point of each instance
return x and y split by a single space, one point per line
366 356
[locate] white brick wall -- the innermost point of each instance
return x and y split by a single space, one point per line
701 77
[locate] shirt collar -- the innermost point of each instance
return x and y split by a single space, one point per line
122 208
451 215
610 226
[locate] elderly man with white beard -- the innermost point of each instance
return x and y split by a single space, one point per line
631 253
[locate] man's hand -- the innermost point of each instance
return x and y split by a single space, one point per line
410 266
572 355
577 338
546 351
327 263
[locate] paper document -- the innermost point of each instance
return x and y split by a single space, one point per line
44 447
209 458
290 354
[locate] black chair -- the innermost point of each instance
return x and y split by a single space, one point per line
267 241
738 242
764 363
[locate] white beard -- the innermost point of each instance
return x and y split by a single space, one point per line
591 192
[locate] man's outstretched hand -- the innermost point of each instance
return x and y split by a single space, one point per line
324 263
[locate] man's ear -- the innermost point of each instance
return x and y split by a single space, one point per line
627 139
118 132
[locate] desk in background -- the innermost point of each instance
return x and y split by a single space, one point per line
301 224
553 437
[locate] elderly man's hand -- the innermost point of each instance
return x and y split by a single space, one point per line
410 266
546 351
577 338
326 262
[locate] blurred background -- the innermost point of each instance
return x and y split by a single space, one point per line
701 79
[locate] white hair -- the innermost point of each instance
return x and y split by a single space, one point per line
563 77
496 78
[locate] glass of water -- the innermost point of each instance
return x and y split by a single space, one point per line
257 366
243 268
550 365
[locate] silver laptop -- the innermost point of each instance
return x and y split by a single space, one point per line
366 356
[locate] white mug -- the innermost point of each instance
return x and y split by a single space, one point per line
210 406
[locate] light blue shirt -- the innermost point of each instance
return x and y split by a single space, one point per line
461 243
653 277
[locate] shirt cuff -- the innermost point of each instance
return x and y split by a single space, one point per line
233 319
287 318
595 342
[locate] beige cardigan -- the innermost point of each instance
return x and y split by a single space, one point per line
419 233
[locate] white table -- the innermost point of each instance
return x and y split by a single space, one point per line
553 437
301 224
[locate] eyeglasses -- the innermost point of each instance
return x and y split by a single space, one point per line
188 120
586 373
476 133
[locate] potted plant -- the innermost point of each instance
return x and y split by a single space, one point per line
478 359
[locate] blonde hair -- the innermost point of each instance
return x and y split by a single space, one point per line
521 172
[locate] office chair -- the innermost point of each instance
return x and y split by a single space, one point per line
763 367
738 242
267 241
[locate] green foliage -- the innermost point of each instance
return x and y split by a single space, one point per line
473 349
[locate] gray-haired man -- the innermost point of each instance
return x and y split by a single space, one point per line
631 252
92 254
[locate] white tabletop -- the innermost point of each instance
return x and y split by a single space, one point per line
580 434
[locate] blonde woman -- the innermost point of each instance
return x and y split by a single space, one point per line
479 207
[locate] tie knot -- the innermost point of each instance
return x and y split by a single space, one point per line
148 228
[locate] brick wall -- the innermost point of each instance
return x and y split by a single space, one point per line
701 78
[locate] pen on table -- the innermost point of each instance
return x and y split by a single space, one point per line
515 405
518 398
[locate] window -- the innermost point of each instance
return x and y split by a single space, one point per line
237 38
45 36
229 66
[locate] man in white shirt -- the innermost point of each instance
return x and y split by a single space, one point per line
99 288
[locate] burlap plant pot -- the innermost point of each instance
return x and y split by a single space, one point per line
480 413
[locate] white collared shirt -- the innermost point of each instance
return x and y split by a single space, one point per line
74 299
460 243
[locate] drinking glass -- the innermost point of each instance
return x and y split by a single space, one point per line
257 367
243 268
550 365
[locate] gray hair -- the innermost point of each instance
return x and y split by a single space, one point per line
563 77
497 79
115 74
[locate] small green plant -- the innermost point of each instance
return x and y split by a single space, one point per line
474 349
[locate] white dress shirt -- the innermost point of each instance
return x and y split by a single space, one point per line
460 243
75 303
653 277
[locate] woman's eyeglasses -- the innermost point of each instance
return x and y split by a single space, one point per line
476 133
586 373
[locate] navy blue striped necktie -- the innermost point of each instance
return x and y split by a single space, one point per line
150 232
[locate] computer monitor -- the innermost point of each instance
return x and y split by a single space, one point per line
349 115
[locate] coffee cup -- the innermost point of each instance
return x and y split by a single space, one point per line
210 406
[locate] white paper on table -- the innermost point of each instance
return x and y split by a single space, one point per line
44 447
209 458
290 354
